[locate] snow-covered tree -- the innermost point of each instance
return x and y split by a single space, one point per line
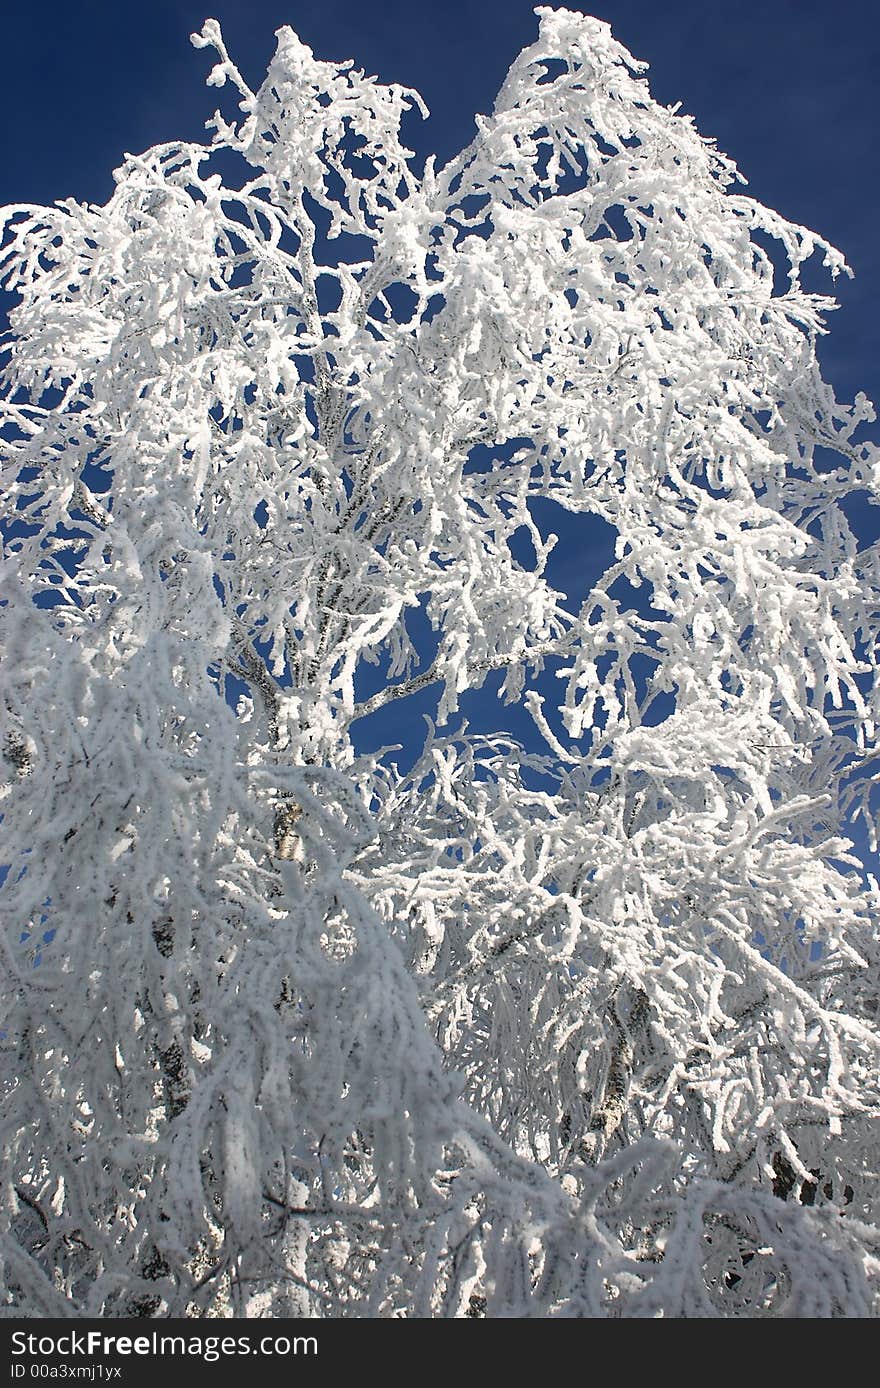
580 1027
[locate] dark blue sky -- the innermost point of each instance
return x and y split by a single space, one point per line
787 87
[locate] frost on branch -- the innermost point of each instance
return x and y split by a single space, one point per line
581 1027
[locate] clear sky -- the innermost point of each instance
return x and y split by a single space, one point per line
787 87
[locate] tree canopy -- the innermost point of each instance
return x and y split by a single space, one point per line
581 1023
